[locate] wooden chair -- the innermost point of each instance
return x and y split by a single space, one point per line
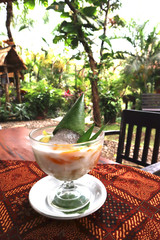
135 133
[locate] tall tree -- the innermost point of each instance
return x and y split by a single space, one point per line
141 72
83 21
9 16
9 12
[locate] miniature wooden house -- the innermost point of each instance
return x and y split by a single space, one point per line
11 66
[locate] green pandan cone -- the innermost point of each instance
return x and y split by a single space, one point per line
74 118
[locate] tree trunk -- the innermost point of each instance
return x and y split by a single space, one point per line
93 65
94 85
7 93
95 101
95 94
9 19
6 86
16 75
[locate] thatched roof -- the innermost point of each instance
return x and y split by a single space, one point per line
10 59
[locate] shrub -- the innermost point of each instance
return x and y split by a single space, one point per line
110 106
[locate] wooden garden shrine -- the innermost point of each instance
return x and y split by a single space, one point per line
11 66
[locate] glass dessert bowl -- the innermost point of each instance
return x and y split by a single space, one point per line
66 162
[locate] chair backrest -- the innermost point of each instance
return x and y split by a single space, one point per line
138 130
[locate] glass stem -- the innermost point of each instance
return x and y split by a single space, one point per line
68 185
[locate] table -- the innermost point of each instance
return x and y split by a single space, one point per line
131 210
14 144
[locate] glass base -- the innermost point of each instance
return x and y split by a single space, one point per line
69 197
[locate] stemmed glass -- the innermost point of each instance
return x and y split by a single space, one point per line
66 162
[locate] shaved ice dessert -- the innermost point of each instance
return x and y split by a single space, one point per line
67 152
66 161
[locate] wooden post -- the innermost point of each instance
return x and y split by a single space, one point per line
6 86
16 75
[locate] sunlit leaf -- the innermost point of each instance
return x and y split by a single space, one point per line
65 15
30 3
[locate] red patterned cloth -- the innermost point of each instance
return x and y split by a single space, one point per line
131 210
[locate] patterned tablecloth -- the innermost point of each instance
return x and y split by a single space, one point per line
131 210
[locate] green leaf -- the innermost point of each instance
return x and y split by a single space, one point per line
44 40
74 119
106 55
92 23
89 11
23 27
85 137
65 15
105 39
68 27
81 19
97 133
57 39
119 55
102 37
29 3
57 6
76 56
74 43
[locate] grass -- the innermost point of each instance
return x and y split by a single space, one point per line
113 126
